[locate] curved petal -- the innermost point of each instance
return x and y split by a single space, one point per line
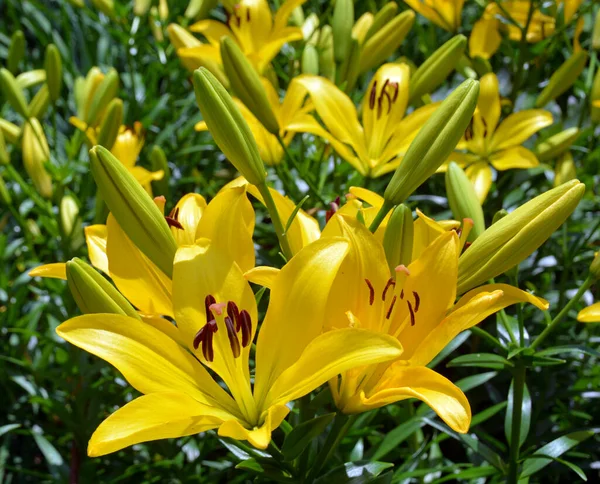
271 48
480 175
591 314
511 295
519 127
154 417
148 359
212 30
136 277
95 239
296 312
438 16
188 212
283 13
56 270
426 230
260 436
515 157
485 39
401 382
489 101
262 275
365 195
327 356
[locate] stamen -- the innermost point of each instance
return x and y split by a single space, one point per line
390 283
485 128
205 336
412 313
396 87
389 313
417 300
402 294
232 335
371 292
233 312
469 131
245 324
387 95
373 95
208 302
171 222
334 207
248 15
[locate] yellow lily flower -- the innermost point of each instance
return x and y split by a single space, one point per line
444 13
251 24
491 142
216 317
486 34
591 314
287 112
417 306
570 8
376 146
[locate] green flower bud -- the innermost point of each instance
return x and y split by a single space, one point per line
556 145
595 266
499 215
69 213
596 32
515 237
398 237
158 160
5 197
40 102
434 142
325 50
565 169
28 79
53 68
10 131
310 60
563 78
228 127
437 67
93 293
141 7
246 84
133 209
4 156
349 69
381 18
16 51
13 93
383 43
107 7
199 8
482 66
297 17
463 200
111 123
343 20
595 98
36 152
103 94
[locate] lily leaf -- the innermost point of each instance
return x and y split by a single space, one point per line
302 435
481 360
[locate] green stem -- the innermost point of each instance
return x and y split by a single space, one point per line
560 316
277 224
383 211
518 390
487 336
521 60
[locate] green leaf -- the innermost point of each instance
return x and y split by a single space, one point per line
486 414
7 428
472 473
473 381
396 436
554 449
354 472
560 350
525 414
481 360
450 347
302 435
52 456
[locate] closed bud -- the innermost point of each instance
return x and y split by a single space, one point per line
437 67
5 197
434 142
382 17
13 93
69 215
16 51
102 95
595 266
93 293
163 10
297 17
199 8
107 7
596 32
158 161
10 131
111 123
227 126
515 237
595 98
565 169
133 209
245 84
556 145
181 38
53 68
35 153
155 25
325 50
310 60
463 200
382 44
499 215
398 237
4 156
40 102
141 7
343 20
564 77
349 70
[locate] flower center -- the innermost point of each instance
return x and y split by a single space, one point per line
375 99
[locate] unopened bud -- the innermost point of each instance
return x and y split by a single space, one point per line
515 237
228 127
40 102
463 200
16 51
595 266
103 94
53 68
382 17
111 124
156 25
596 32
141 7
199 8
564 77
10 131
398 237
35 153
163 10
434 142
13 93
69 214
325 50
343 20
565 169
5 197
556 145
595 98
310 60
437 67
246 84
499 215
133 209
4 156
349 69
107 7
158 161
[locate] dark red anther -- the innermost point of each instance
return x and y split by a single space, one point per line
402 294
208 301
417 300
412 313
232 335
171 222
334 207
469 131
205 336
373 95
245 324
396 87
390 283
389 312
371 292
233 312
467 245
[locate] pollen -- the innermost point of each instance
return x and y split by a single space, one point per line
371 292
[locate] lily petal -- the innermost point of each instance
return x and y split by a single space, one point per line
262 275
519 127
259 437
480 175
489 101
188 212
212 30
485 39
515 157
95 239
591 314
57 270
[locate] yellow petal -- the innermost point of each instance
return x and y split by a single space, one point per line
188 212
372 198
136 277
489 101
515 157
440 13
265 54
485 38
201 126
212 30
57 270
519 127
95 238
296 312
401 382
426 230
591 314
148 359
259 437
480 175
153 417
262 275
511 295
283 13
327 356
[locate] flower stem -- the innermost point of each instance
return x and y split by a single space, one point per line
277 223
383 211
517 414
